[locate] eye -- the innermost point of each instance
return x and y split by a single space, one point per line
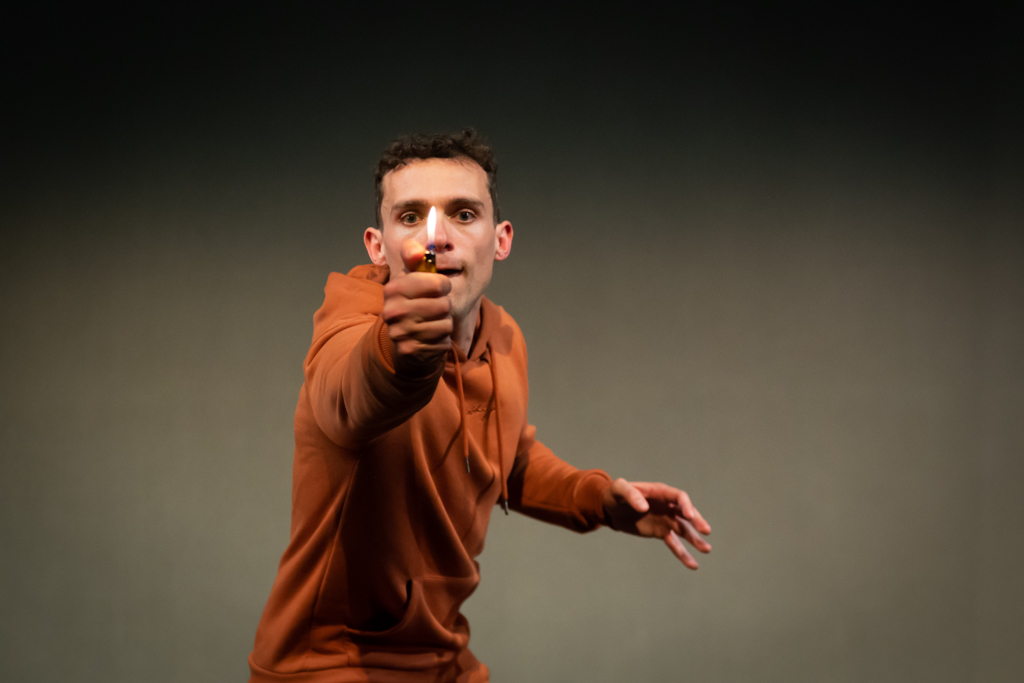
465 215
408 219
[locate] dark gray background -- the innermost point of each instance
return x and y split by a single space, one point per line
772 258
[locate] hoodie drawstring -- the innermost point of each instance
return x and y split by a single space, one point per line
497 419
462 409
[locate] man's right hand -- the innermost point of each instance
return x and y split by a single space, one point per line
418 313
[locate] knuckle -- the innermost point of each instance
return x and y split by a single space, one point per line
435 308
393 310
395 289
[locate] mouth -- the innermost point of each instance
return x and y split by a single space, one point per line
450 272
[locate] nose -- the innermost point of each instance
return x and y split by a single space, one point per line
441 232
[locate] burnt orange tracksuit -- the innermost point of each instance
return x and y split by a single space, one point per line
393 485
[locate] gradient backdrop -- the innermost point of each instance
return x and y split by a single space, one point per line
772 258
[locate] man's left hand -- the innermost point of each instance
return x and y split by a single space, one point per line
657 511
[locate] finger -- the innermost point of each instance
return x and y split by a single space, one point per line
691 513
675 544
631 494
418 286
676 500
399 310
432 331
701 523
663 493
412 254
425 309
428 331
412 348
424 285
686 530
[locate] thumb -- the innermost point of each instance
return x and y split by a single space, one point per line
636 499
412 254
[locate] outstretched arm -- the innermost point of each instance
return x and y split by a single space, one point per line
374 374
545 487
657 510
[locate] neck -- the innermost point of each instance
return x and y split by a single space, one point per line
464 329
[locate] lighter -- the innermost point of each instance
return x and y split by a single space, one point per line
429 262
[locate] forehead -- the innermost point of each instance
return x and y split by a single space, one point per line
435 181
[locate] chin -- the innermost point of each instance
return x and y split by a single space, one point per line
459 310
461 306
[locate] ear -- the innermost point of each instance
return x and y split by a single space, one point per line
374 241
503 239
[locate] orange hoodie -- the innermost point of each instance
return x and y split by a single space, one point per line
393 484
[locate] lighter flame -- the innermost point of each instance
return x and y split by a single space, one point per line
431 223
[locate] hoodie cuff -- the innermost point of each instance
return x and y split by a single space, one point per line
590 495
385 345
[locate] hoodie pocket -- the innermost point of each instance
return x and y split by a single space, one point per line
431 619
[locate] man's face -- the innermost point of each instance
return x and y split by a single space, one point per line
466 240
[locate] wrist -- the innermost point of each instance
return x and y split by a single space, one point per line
607 505
589 494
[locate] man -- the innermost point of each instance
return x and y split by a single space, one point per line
410 426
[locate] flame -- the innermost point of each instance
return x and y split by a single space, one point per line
431 223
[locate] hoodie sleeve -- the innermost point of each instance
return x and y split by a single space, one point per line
355 393
545 487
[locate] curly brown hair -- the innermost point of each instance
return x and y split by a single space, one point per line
467 144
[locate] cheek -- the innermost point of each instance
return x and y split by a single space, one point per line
485 262
393 250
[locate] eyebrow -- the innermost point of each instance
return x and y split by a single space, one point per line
408 204
422 204
466 201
